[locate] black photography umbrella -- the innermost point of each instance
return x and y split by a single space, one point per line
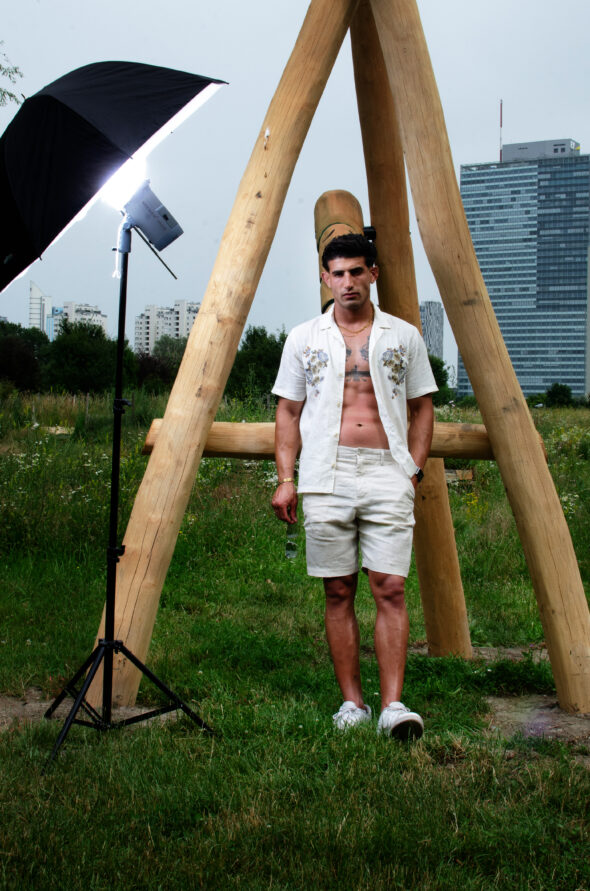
64 144
68 139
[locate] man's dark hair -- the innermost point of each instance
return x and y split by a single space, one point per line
352 245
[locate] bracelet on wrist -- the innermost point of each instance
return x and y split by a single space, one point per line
287 479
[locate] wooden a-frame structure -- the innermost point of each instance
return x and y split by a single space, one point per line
401 117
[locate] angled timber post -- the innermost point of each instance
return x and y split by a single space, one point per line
164 492
435 549
539 518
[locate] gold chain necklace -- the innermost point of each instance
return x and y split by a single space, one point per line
350 331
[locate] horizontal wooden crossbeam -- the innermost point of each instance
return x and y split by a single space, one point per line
257 440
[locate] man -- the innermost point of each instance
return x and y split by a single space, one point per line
344 382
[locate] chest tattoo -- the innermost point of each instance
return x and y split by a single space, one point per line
357 362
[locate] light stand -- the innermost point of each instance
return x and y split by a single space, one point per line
166 230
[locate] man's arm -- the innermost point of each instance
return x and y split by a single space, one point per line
287 442
420 430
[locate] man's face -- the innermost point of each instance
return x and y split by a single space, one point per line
350 280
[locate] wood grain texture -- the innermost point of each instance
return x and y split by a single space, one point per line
336 212
435 550
539 518
228 439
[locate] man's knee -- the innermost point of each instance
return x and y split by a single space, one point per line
388 590
340 589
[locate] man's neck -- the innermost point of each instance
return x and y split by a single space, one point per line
355 317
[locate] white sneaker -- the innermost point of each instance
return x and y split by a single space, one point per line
349 715
398 721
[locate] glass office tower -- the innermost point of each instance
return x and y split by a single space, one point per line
529 220
432 318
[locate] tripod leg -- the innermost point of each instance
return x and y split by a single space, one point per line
98 657
67 690
166 690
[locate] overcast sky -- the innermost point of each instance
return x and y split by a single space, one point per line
532 54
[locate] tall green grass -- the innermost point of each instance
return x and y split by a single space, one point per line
277 798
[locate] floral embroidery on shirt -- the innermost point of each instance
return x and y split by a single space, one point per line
315 360
396 360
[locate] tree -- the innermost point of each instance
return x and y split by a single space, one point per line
439 370
441 376
20 356
11 73
558 395
534 399
256 364
169 351
82 359
152 373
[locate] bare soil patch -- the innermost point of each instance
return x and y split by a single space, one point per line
537 716
532 716
31 708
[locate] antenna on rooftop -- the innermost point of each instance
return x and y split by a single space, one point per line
501 131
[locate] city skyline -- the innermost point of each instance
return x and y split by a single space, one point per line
197 170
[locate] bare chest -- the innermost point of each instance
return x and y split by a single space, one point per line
356 371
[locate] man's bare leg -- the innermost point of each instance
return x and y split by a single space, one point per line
342 633
391 633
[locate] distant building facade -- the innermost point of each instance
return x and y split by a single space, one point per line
529 217
49 318
156 321
85 314
82 313
432 317
40 306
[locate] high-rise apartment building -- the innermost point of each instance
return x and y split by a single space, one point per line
156 321
529 217
40 306
44 315
432 317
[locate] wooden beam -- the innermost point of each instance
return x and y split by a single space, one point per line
228 439
335 213
537 510
435 549
164 492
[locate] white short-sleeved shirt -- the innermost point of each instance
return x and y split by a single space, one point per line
312 369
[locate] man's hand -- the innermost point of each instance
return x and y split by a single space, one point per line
284 503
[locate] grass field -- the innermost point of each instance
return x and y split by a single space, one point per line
276 799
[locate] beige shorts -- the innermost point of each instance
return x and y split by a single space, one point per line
372 506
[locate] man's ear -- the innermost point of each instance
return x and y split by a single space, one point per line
325 277
375 271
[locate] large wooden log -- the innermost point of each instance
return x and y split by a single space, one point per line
164 492
335 213
228 439
435 549
539 518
